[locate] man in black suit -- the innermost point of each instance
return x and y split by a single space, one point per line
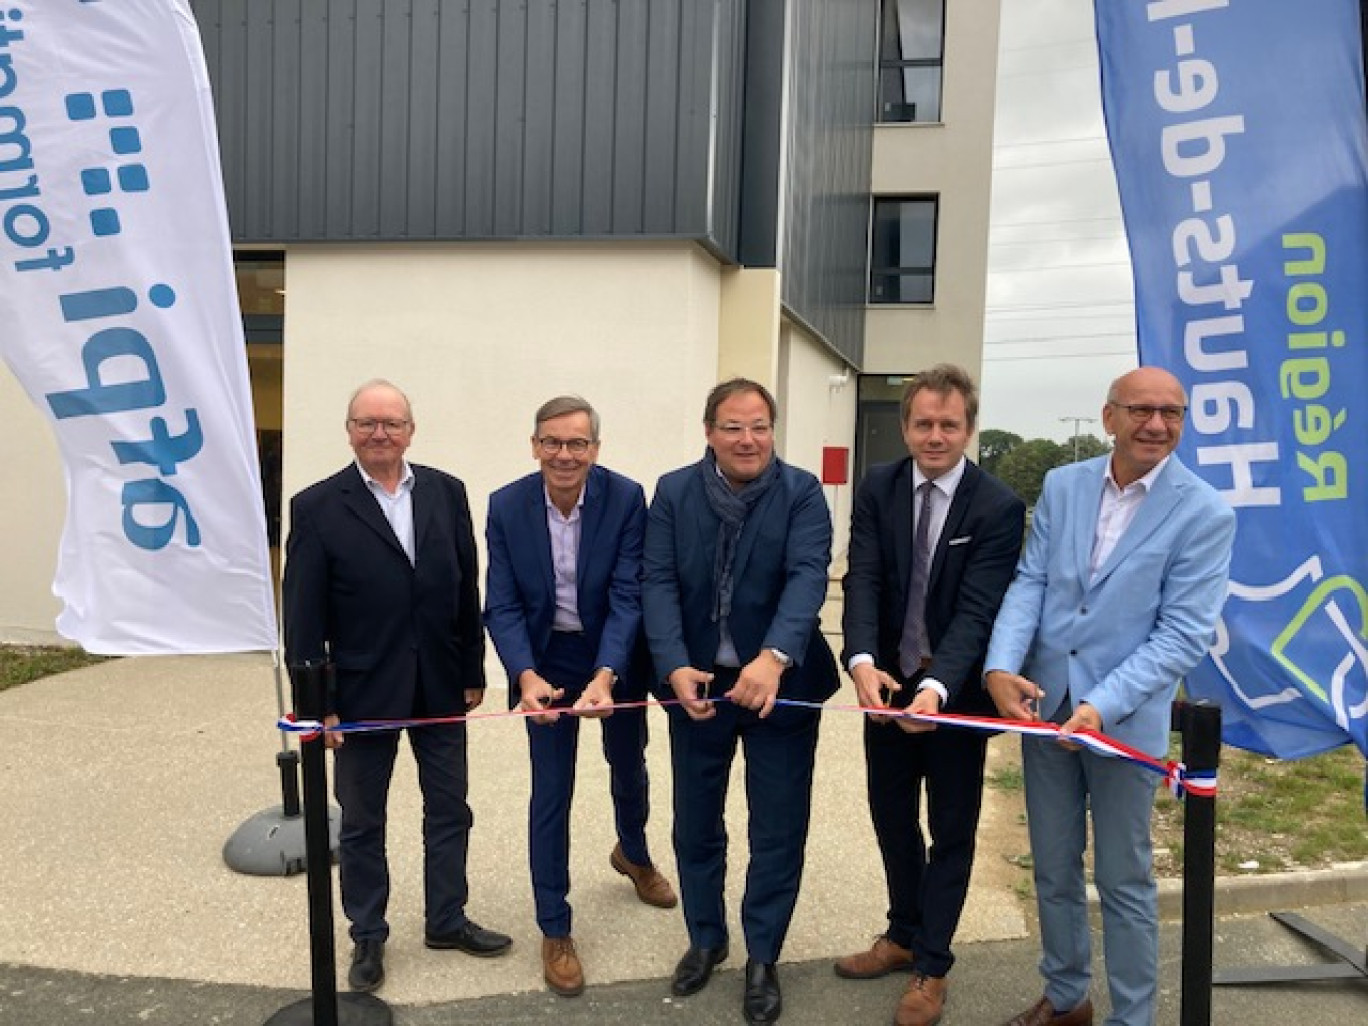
381 580
735 573
933 544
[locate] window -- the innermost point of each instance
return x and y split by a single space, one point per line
902 254
911 51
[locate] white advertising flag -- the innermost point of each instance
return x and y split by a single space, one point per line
119 317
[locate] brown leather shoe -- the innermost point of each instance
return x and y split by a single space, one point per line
923 1001
883 958
651 887
1042 1013
561 966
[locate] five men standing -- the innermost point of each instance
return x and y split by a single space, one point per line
563 608
933 543
1114 599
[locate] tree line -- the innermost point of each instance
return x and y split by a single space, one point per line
1022 463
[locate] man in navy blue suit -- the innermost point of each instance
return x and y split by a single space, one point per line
933 543
563 608
381 580
735 574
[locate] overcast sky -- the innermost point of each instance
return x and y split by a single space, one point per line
1060 323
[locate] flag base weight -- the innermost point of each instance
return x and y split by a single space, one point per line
352 1010
271 843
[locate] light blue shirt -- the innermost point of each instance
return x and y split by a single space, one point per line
397 508
565 539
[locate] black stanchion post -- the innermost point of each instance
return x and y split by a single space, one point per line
288 763
310 682
1201 728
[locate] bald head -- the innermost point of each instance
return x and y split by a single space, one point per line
1145 378
1144 415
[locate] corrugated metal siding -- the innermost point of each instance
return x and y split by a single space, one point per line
477 119
831 97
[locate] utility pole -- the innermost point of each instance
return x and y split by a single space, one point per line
1076 422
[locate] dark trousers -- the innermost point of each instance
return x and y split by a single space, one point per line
926 890
568 664
364 766
779 752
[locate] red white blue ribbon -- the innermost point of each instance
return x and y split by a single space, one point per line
1179 779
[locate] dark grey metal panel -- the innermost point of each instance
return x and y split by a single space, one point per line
663 101
478 119
831 93
310 164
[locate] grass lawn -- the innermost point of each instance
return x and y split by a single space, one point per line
20 664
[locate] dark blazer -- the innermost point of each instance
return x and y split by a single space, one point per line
970 571
388 626
780 580
520 593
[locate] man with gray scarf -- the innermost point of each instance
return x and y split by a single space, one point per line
734 575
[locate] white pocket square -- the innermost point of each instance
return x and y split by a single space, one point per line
962 540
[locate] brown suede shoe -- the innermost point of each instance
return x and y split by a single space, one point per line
561 966
1042 1013
883 958
651 887
923 1001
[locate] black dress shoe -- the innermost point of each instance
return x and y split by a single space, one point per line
368 966
472 938
762 1002
695 969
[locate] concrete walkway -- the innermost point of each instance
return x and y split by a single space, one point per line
122 781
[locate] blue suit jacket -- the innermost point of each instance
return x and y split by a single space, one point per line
780 580
404 637
1122 641
520 592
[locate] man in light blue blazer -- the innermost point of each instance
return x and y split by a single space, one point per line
563 608
1116 597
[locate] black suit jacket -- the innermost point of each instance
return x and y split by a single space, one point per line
406 639
970 571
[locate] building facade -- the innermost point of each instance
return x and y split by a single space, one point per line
493 202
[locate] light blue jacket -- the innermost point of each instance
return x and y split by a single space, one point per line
1119 642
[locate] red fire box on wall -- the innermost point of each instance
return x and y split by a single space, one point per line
835 464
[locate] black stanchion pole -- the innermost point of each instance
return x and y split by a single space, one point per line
324 1008
1201 727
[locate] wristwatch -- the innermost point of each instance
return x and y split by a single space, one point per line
781 657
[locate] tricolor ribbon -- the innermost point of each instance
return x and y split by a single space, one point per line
1176 775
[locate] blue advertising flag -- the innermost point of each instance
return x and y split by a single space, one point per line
1238 135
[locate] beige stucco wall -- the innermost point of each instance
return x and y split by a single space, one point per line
479 335
818 411
33 507
952 159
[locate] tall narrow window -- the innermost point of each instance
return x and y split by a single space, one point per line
902 254
911 52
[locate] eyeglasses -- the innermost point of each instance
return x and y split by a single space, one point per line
733 432
1141 414
367 425
574 446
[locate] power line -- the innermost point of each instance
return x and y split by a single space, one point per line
1056 267
1056 220
1050 163
1063 304
1037 339
1058 356
1051 142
